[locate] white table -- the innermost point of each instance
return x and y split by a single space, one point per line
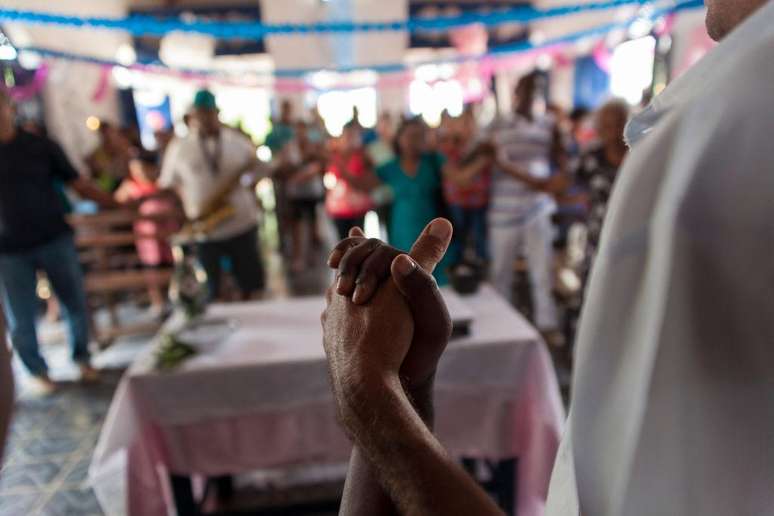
257 396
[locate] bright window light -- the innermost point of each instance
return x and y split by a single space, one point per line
631 68
7 52
336 108
430 101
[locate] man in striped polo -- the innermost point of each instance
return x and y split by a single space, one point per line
529 172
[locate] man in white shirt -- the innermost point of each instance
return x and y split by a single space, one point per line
206 168
529 152
672 410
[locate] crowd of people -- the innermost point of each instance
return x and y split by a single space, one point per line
500 186
508 188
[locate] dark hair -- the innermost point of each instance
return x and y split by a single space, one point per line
579 113
145 156
405 124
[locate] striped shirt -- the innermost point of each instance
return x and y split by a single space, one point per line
527 145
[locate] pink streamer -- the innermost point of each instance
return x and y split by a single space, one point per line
103 85
602 56
28 91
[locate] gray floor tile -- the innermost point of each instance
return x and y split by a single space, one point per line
48 447
29 477
18 504
72 502
78 473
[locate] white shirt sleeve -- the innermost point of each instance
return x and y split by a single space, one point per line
168 176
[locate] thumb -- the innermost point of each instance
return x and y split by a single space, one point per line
356 232
431 246
418 287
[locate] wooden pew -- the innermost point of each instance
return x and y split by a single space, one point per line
112 269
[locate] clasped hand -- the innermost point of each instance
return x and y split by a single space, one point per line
386 324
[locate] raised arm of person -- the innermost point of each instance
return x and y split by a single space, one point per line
365 182
83 186
362 265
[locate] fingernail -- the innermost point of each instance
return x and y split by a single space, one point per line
405 265
344 284
334 257
439 229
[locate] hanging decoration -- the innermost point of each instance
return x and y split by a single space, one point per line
293 80
24 92
144 25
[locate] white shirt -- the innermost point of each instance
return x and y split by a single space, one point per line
526 144
186 169
673 398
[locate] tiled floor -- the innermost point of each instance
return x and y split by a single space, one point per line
49 451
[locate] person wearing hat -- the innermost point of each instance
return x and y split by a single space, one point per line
206 168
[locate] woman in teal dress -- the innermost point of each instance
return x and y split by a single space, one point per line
415 177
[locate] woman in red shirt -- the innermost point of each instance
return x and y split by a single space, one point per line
348 200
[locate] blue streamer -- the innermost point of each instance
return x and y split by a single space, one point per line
143 25
519 47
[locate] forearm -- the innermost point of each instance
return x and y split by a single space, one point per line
409 461
363 493
88 190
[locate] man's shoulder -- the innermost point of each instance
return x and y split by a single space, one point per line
742 96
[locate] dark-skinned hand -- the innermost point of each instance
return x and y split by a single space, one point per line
365 264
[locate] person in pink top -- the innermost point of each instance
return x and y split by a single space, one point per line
349 199
158 212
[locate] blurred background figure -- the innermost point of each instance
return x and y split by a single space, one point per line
160 214
416 176
35 236
530 171
305 192
467 194
206 168
352 179
109 163
598 166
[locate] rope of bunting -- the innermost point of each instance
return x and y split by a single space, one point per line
287 75
144 25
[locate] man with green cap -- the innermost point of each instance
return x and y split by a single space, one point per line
206 169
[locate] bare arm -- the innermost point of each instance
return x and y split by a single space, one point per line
408 460
371 261
88 190
557 184
462 175
365 182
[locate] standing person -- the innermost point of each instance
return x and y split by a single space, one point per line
34 236
528 172
598 167
109 162
416 176
153 232
349 200
671 411
381 151
305 191
467 194
206 168
278 141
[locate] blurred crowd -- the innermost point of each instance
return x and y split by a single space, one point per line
526 193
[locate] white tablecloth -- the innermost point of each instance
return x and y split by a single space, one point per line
258 396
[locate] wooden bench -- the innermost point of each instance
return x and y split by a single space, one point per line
112 270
